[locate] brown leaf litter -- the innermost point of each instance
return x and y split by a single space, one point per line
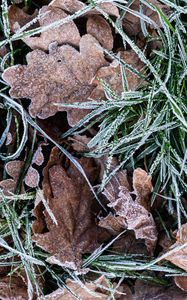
72 6
63 75
64 34
69 199
131 23
99 289
131 214
68 32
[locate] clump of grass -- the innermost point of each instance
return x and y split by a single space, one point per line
148 127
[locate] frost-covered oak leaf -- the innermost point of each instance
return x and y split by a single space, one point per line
72 6
66 33
62 76
69 199
129 213
98 27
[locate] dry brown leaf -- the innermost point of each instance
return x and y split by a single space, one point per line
69 199
99 28
13 288
142 186
17 16
150 292
32 177
13 169
63 75
90 291
64 34
179 258
72 6
132 24
181 282
132 214
111 75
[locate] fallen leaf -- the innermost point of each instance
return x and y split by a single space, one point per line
99 28
18 16
69 199
63 75
89 291
13 169
13 288
179 258
72 6
150 292
131 23
32 177
181 282
133 215
111 75
142 186
64 34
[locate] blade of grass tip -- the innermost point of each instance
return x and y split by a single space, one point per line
100 250
29 120
24 136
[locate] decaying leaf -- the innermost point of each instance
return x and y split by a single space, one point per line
131 23
99 28
13 169
150 292
112 76
179 258
99 289
133 215
13 288
61 76
72 6
17 16
64 34
69 199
